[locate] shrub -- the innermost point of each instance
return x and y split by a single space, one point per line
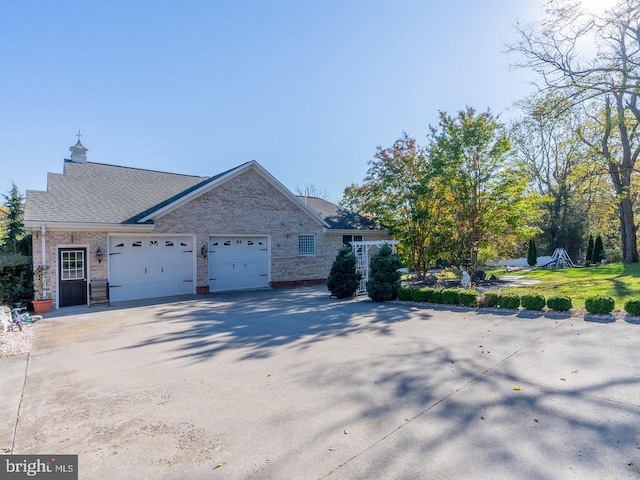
533 301
384 278
489 299
532 253
599 305
343 280
508 300
598 250
632 307
559 304
405 294
468 298
434 295
589 256
450 296
420 295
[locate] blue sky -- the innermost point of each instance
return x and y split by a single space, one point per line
308 89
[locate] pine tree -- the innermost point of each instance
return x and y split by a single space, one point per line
532 253
384 278
598 249
589 257
343 280
14 229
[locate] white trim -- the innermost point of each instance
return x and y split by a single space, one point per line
87 266
228 176
94 227
355 231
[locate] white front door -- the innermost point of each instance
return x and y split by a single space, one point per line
149 267
237 263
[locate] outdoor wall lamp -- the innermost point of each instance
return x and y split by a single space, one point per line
99 255
203 251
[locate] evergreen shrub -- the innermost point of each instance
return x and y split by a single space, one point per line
599 305
343 280
489 299
450 296
419 295
632 307
508 300
468 298
405 293
559 304
533 301
384 278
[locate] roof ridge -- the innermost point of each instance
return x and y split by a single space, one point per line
136 168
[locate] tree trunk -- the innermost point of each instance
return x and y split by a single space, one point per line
628 231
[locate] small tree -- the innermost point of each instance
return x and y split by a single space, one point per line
343 280
532 253
598 249
14 229
589 257
384 278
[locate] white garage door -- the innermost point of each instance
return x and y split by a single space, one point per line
237 263
148 267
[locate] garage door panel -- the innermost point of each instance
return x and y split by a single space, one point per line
238 263
149 267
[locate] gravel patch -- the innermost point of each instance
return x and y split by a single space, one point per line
17 342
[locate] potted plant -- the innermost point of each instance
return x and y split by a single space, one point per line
42 302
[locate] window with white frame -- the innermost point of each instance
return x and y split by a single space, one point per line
306 245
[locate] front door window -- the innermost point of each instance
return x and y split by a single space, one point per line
73 265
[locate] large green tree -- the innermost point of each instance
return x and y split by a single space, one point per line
486 196
401 192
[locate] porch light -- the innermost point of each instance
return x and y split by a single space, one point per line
203 251
99 255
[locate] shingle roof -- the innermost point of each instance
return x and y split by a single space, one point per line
100 193
339 218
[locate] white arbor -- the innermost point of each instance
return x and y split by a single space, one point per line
363 251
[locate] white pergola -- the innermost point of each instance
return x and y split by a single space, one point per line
361 251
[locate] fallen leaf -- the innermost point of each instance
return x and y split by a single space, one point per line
563 379
516 388
221 464
346 433
630 464
268 375
536 420
481 417
575 371
332 449
406 420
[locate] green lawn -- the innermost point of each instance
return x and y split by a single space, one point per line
621 282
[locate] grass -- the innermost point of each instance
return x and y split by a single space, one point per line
619 281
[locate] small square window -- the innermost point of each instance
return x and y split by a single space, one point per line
307 245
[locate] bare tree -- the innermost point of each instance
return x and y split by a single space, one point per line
310 190
594 61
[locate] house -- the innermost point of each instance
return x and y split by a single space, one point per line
155 234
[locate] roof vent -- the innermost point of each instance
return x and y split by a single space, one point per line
78 152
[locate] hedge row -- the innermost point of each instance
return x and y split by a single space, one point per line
598 305
471 298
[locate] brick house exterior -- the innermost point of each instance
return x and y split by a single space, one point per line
161 233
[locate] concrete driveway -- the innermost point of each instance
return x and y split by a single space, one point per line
291 384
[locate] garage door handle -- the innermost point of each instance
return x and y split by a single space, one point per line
145 269
115 286
188 281
161 269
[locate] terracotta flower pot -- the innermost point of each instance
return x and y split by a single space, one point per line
41 306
